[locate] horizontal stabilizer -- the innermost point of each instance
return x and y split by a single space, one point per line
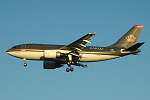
134 47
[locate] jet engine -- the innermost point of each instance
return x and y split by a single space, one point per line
51 65
51 54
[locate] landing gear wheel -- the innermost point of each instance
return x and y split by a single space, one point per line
68 63
71 69
25 64
67 70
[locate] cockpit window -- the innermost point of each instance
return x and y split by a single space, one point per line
14 47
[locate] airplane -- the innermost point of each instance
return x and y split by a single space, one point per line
56 56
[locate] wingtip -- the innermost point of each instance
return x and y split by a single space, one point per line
93 33
140 26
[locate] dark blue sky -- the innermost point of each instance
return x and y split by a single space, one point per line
62 22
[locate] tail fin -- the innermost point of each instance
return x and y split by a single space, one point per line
130 38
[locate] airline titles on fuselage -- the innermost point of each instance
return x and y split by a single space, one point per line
96 48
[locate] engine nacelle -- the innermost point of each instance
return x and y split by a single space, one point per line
51 65
51 54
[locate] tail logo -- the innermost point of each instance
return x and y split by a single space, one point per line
131 38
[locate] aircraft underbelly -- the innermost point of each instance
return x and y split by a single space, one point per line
96 57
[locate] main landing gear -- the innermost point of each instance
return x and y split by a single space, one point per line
25 62
70 68
78 64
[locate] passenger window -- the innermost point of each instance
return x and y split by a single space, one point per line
23 47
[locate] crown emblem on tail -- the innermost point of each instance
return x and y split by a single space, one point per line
131 38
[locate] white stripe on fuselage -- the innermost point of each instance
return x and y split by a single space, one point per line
96 57
27 54
84 57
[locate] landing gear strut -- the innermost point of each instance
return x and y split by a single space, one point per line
25 64
69 64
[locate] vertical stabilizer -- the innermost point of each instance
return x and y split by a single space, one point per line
130 38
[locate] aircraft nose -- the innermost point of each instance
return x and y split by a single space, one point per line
8 51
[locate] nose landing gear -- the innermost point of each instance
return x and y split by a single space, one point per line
25 64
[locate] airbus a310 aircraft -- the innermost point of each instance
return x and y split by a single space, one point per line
56 56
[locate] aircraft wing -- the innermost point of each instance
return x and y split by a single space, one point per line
79 44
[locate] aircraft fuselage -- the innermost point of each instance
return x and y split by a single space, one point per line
88 54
